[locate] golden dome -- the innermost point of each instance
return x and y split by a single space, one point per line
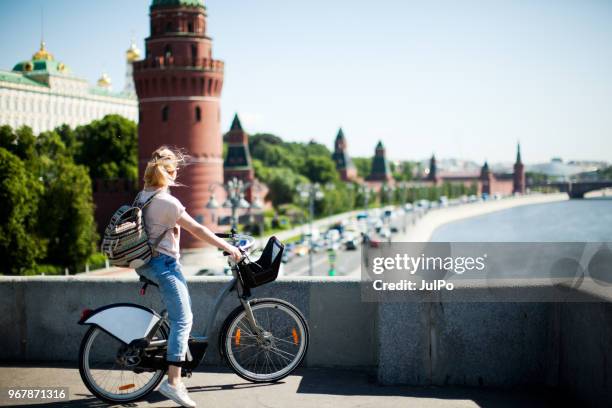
42 54
133 53
104 81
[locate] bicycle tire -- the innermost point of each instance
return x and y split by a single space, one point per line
86 380
224 332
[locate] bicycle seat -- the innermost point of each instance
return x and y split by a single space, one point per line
147 281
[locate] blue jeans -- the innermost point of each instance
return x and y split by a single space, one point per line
166 272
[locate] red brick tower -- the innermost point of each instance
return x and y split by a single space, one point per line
518 185
178 85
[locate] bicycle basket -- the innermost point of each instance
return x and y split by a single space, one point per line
265 269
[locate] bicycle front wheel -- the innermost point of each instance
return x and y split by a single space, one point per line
268 354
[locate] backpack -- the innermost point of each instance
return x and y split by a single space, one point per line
125 242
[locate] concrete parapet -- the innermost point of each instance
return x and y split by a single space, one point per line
433 340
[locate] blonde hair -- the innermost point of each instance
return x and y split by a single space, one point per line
162 169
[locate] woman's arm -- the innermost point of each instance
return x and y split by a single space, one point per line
203 233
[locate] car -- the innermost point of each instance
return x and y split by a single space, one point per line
408 207
394 229
385 232
351 244
423 204
301 250
333 235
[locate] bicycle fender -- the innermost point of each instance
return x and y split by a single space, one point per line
124 321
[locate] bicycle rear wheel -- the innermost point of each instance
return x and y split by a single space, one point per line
273 353
111 371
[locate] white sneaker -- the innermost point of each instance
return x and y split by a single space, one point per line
177 394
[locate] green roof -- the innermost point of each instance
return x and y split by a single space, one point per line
41 65
174 3
18 78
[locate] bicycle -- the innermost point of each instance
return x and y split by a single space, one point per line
122 357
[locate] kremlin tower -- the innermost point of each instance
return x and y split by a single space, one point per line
178 84
344 164
238 160
519 173
433 170
380 166
486 179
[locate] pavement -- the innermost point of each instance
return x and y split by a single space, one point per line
320 388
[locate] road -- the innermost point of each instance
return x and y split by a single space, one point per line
347 262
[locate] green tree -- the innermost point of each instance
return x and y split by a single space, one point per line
404 171
66 211
363 165
108 148
320 169
282 184
20 142
20 191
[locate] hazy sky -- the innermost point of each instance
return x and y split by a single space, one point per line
462 79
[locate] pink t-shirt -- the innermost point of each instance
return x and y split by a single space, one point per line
161 214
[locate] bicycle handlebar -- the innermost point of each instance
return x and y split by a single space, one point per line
241 241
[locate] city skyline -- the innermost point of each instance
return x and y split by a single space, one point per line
415 73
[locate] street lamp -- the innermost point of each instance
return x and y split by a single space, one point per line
258 206
365 191
310 192
235 189
404 187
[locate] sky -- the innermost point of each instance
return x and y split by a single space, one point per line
463 79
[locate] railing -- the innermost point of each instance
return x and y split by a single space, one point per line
182 62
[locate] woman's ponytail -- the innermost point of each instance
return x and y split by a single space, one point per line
163 167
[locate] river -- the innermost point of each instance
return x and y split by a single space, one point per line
587 220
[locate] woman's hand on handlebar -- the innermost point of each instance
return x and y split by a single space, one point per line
234 253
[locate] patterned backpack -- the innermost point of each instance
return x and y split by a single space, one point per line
125 242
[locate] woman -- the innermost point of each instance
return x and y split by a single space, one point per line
165 215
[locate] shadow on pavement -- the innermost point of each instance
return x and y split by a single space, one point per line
224 387
359 383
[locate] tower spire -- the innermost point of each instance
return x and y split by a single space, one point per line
236 125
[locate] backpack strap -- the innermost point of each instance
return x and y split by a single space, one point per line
158 240
143 205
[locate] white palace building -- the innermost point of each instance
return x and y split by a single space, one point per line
43 93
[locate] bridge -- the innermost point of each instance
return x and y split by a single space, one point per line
575 189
